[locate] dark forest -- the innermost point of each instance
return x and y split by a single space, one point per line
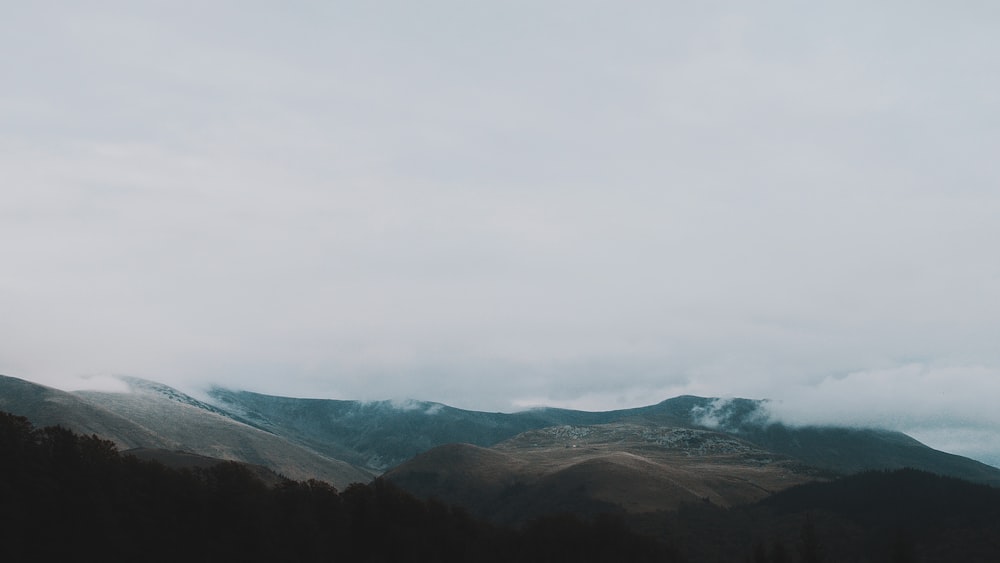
66 496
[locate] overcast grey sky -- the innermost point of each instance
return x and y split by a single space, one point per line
504 204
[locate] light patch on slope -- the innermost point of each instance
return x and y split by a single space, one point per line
107 383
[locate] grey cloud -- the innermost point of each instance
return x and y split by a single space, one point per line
501 205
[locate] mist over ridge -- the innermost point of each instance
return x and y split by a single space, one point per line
841 402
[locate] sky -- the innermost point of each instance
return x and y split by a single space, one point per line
500 205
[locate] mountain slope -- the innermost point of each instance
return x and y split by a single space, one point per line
331 439
840 449
46 406
159 417
380 435
852 450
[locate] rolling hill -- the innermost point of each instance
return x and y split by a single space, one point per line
684 449
381 435
615 467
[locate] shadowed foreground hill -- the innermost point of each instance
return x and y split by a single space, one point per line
902 516
67 498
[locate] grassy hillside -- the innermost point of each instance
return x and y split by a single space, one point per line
158 417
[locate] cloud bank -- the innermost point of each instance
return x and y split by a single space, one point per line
946 407
499 205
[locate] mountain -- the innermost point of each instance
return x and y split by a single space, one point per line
381 435
346 441
70 497
155 416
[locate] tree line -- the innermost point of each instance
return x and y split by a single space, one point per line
66 496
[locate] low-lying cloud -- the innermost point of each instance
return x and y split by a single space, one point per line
952 408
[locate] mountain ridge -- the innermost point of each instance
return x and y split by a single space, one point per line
358 440
398 435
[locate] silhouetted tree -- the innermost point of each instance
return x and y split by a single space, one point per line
779 554
902 549
759 552
809 550
65 496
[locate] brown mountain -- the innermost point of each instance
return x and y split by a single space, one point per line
617 467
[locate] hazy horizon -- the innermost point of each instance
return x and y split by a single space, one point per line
503 205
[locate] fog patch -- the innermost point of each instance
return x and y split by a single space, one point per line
100 382
404 404
913 395
732 413
410 405
951 408
709 415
